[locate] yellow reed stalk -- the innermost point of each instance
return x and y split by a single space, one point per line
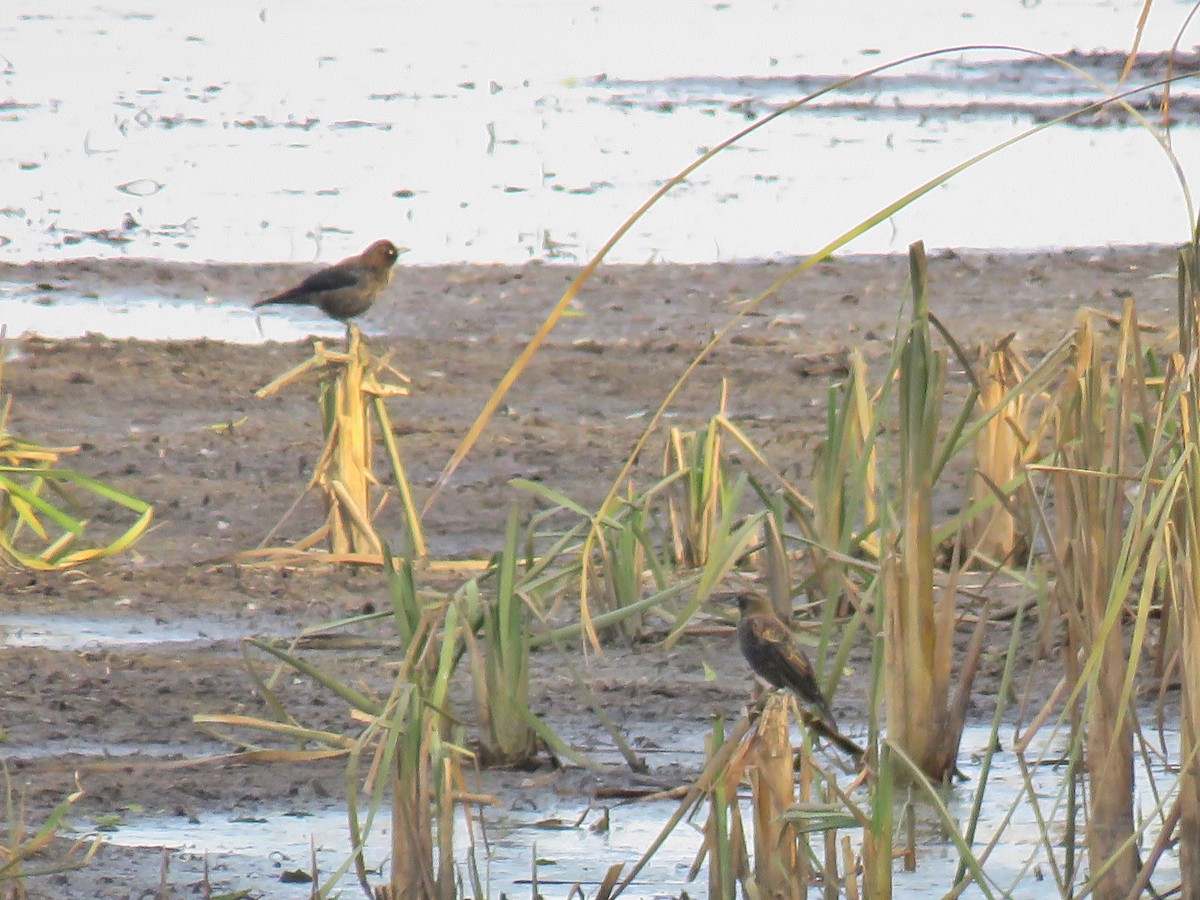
350 465
351 393
778 869
850 867
1000 449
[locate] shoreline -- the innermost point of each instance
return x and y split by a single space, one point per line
629 302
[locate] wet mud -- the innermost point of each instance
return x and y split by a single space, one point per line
103 668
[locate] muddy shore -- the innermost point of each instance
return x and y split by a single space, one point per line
147 417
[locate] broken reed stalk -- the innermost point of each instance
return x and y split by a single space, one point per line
346 483
780 868
918 636
350 392
1000 450
760 750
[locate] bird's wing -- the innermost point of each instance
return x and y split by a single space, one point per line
776 658
309 290
786 661
331 279
770 632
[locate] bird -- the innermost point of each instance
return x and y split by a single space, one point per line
347 288
768 646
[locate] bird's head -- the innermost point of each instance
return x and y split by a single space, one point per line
748 603
382 254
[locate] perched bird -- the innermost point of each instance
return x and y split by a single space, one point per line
768 646
345 289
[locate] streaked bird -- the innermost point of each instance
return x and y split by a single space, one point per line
771 651
347 288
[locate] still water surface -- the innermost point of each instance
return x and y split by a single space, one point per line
518 129
261 844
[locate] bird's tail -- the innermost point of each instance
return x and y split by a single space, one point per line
824 726
285 297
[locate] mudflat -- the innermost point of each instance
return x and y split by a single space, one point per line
178 425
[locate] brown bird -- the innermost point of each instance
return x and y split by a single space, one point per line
768 646
347 288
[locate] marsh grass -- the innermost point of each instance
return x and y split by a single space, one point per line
701 494
844 515
1185 570
29 853
1100 496
628 561
501 666
1094 407
45 509
1083 499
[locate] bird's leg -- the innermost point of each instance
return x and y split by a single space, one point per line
758 701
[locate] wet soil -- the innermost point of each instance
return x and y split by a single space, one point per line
146 417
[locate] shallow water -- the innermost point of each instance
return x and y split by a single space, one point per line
98 751
62 632
67 315
524 129
258 843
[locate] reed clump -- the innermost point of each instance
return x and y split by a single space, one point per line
351 390
49 849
